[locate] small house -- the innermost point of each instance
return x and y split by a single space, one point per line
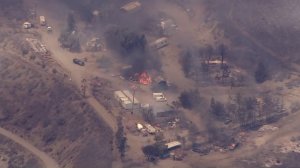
159 97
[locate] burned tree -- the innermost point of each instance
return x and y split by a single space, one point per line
148 116
132 49
272 109
83 8
154 151
206 53
121 138
261 73
253 111
71 23
186 63
249 112
125 41
222 51
190 99
218 110
69 37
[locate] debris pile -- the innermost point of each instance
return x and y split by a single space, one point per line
168 26
267 128
290 146
37 46
270 162
94 45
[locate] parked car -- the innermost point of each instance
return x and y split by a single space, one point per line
78 62
202 149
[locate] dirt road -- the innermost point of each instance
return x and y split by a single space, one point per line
47 161
75 72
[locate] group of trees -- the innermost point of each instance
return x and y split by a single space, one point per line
249 112
195 61
154 151
126 41
186 62
69 37
132 48
217 109
195 64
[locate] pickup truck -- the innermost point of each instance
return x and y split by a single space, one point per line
78 62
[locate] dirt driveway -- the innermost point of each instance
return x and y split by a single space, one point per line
47 161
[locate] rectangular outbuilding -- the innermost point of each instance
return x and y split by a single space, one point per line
42 21
132 6
127 100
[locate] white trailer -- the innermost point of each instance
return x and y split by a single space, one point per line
132 6
125 98
159 43
27 25
42 21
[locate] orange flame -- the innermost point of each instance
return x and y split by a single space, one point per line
145 79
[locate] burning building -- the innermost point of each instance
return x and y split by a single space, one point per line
144 79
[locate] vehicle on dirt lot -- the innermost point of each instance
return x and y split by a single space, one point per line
78 62
202 149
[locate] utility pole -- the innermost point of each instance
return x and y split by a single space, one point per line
133 96
222 53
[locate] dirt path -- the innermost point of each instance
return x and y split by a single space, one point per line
76 73
47 161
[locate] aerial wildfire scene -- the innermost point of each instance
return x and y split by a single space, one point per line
149 84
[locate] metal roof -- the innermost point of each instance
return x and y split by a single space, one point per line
173 144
